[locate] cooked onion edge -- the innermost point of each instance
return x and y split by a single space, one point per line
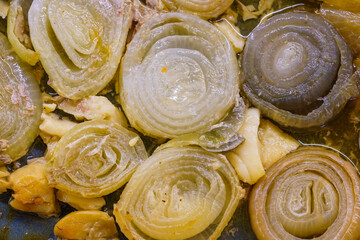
20 106
204 9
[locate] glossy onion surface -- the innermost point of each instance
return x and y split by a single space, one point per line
310 193
95 158
179 193
80 42
20 104
298 70
179 75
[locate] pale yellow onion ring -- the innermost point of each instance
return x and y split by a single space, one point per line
80 42
95 158
179 193
20 104
179 75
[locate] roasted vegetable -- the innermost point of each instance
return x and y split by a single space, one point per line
80 42
298 70
32 192
203 8
179 75
95 158
20 104
179 193
83 225
310 193
17 31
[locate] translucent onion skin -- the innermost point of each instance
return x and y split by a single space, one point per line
80 42
310 193
95 158
20 104
298 70
179 75
222 136
20 7
204 9
179 193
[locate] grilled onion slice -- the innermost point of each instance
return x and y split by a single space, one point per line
298 70
310 193
179 75
179 193
20 104
80 42
203 8
95 158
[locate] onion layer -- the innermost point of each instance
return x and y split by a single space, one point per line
80 42
20 104
95 158
310 193
298 70
179 193
204 9
179 75
16 24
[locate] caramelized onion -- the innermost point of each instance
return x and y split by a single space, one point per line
179 75
20 104
80 42
298 70
310 193
95 158
179 193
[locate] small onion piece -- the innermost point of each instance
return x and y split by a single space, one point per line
310 193
222 137
179 193
80 42
298 70
16 24
95 158
203 8
179 75
20 104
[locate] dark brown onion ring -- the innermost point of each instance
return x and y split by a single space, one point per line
298 70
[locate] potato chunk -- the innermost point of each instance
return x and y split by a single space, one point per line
4 181
52 125
80 203
93 107
246 158
86 225
275 143
32 192
264 144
